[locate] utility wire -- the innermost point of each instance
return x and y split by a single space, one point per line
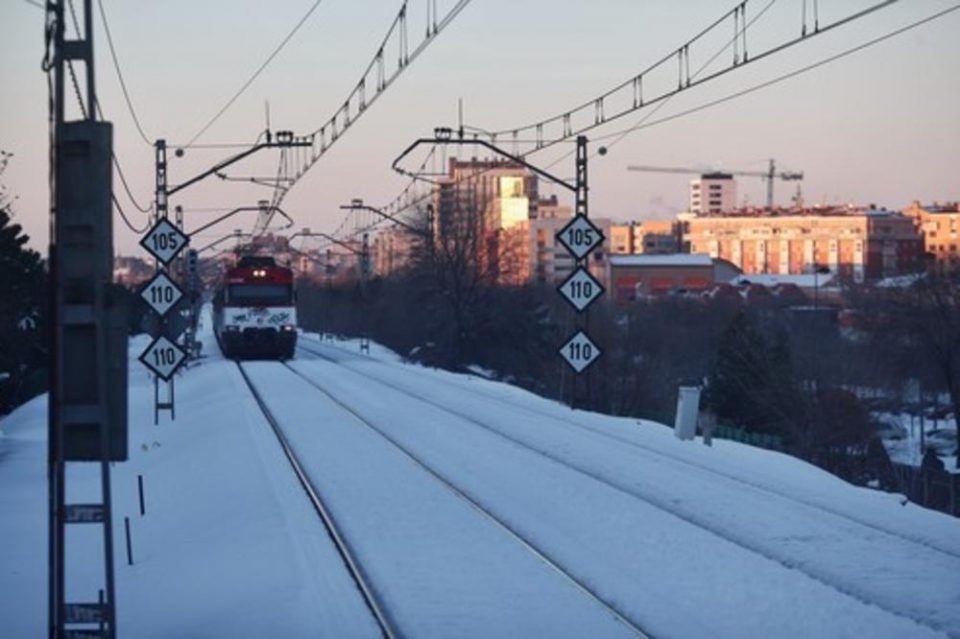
659 105
116 163
619 135
256 74
123 85
126 220
35 3
643 121
123 181
379 78
686 81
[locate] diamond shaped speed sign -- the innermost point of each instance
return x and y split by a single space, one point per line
580 352
580 236
164 241
161 293
581 289
163 357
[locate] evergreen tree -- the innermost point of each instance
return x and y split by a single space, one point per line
752 381
22 308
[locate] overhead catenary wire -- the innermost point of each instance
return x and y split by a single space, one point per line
740 29
123 84
376 74
655 104
738 32
256 74
358 100
618 135
595 105
116 163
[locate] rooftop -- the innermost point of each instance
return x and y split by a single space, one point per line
848 210
674 259
803 280
948 207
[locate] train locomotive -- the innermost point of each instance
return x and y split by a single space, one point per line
254 310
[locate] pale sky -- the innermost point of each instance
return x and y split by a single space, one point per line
881 126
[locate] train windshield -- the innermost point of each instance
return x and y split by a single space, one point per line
259 294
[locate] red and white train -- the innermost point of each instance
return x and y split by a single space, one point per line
254 310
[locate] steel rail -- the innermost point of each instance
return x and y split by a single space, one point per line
579 584
653 501
343 548
647 449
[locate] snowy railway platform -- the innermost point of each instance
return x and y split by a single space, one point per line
470 509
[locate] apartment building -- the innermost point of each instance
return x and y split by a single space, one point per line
633 277
650 237
713 193
855 243
940 226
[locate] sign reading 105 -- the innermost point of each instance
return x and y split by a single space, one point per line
580 236
164 241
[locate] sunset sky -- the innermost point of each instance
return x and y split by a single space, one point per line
881 126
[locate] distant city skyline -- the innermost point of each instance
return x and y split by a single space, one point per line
878 127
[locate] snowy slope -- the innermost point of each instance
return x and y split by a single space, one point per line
690 531
628 524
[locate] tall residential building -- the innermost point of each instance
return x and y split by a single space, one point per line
650 237
940 226
495 194
477 203
857 244
534 256
392 249
713 193
495 205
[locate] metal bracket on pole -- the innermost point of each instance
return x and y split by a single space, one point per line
167 404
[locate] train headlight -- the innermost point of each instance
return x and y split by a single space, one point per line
289 327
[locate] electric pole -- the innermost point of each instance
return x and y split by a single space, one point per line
87 409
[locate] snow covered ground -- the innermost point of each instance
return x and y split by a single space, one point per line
553 522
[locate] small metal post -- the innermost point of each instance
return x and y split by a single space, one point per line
953 494
140 490
126 526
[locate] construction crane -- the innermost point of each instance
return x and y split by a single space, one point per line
769 175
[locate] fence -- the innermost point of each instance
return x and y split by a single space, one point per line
935 489
928 487
760 440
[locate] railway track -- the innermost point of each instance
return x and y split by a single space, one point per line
657 453
389 623
611 607
661 502
353 567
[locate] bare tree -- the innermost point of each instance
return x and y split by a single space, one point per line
928 312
